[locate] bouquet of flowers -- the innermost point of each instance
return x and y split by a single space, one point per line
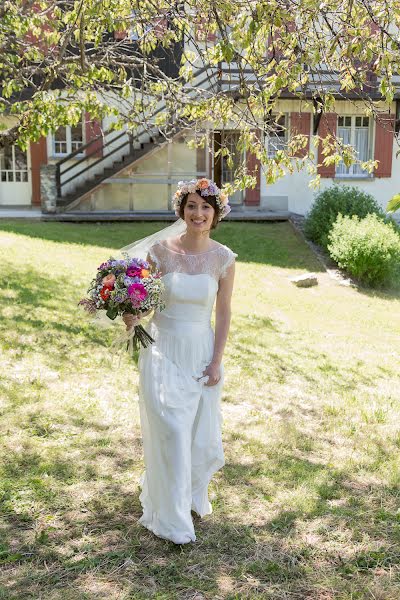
128 285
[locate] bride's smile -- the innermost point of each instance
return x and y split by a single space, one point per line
198 213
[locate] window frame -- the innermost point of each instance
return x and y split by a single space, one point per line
351 174
68 141
272 152
23 173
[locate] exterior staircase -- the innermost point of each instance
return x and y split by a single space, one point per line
117 153
110 153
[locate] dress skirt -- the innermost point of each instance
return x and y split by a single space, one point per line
181 426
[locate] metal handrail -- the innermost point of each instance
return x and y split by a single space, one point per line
103 136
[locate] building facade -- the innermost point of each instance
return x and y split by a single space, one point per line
90 168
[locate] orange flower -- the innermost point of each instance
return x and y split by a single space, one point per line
144 273
109 280
105 293
203 183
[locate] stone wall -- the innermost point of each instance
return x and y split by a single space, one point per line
48 188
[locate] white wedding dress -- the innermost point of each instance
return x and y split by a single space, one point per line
181 417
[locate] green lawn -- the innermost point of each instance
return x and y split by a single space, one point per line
307 506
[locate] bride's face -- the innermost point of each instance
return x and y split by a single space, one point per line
198 213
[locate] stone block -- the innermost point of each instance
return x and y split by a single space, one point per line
306 280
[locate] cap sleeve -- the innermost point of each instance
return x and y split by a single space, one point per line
153 253
228 260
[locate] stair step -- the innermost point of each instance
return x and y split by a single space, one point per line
139 150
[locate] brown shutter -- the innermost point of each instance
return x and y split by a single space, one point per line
38 158
211 36
120 35
290 27
384 133
216 166
211 155
160 26
93 129
38 41
300 123
253 163
327 125
202 32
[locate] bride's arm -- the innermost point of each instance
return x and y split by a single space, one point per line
223 314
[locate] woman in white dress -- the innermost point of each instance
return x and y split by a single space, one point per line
181 373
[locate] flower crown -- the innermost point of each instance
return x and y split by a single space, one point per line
205 187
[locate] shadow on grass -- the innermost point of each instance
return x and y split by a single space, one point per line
272 243
392 293
250 347
34 310
96 541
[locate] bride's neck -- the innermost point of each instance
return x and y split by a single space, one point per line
195 243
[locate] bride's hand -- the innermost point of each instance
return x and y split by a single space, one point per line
214 374
131 320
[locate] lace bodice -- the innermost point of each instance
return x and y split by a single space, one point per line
214 262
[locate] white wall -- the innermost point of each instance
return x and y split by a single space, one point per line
292 192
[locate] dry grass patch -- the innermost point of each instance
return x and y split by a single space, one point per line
306 507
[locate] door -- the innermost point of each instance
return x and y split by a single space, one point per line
15 184
225 173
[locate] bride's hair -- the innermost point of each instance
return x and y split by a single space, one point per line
210 200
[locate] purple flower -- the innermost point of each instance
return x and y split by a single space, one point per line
134 263
88 305
103 265
130 280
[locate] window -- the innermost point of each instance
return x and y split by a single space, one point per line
13 164
355 131
278 139
68 138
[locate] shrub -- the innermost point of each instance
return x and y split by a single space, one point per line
368 249
332 201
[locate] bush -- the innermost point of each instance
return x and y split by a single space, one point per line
332 201
368 249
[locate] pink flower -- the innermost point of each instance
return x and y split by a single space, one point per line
109 280
137 293
134 271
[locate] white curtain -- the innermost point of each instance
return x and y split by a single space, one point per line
361 136
361 145
344 133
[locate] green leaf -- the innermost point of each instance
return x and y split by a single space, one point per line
112 312
393 204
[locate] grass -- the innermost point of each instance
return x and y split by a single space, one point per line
307 505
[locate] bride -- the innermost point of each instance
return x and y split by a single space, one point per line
181 373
